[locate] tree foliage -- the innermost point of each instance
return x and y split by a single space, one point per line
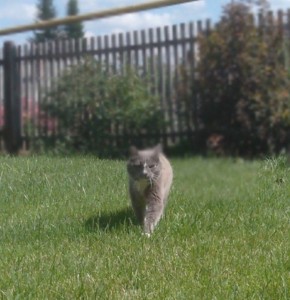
46 11
243 82
75 30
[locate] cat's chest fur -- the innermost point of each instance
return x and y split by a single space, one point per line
141 185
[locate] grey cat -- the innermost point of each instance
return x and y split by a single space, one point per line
150 179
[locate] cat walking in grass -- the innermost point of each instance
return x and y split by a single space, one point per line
150 179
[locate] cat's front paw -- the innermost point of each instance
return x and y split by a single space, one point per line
148 228
146 234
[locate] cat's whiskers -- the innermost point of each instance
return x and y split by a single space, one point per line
150 181
155 178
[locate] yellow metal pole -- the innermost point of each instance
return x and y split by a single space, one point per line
92 16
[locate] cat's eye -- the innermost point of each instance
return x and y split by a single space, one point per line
152 166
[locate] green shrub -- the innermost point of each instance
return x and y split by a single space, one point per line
243 82
101 111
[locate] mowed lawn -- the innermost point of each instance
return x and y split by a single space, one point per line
67 231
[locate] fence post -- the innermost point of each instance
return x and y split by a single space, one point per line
12 103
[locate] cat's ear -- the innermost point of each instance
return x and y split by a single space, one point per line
158 149
133 151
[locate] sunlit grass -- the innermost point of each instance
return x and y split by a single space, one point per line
67 232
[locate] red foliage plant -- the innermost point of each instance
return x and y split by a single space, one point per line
243 83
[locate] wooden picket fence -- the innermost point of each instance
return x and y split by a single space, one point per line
163 53
160 53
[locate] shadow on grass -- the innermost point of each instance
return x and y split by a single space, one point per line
115 220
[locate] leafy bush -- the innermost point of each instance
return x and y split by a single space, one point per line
243 82
100 111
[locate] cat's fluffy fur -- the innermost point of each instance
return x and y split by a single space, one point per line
150 179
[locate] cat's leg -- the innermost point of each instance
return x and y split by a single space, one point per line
138 204
139 211
153 213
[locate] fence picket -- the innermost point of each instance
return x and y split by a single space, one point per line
151 62
106 58
25 103
192 97
177 108
144 54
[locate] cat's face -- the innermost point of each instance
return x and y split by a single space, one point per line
144 164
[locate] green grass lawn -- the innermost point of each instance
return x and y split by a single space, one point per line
67 232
